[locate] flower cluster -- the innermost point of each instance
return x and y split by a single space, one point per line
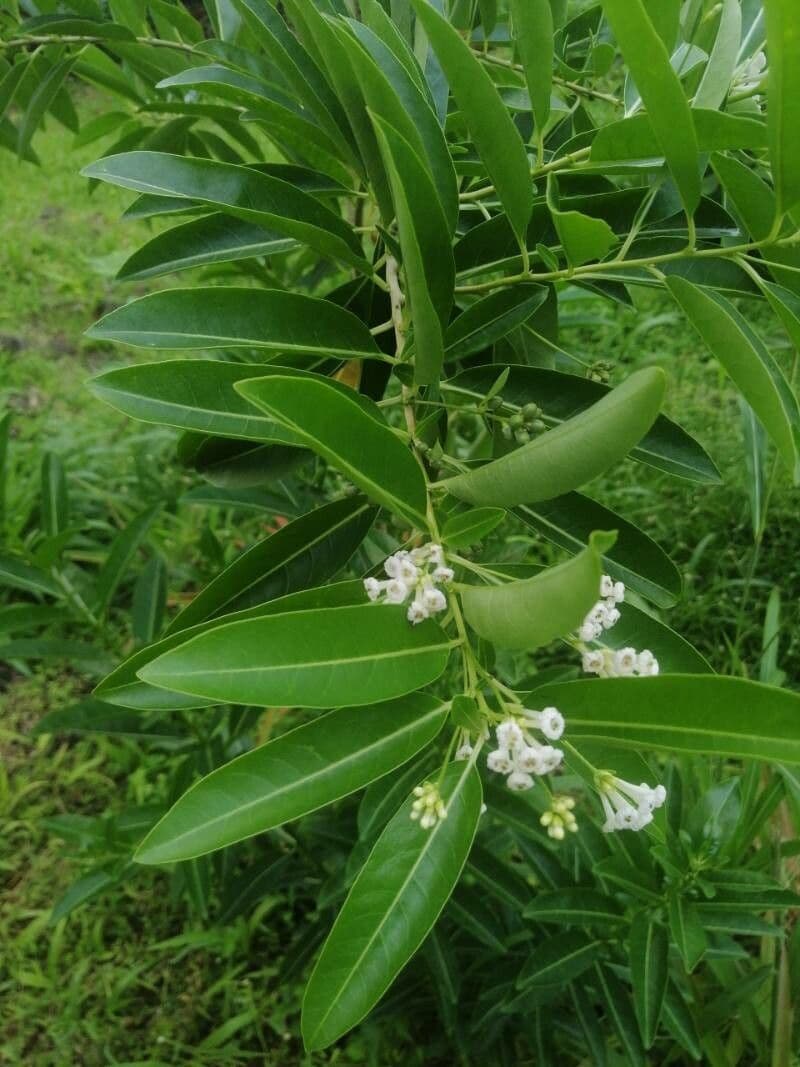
620 663
416 573
558 819
519 755
627 806
605 612
428 806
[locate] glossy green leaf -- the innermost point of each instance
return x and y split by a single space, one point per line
534 611
677 1018
393 904
617 1004
634 558
496 137
426 248
315 659
648 951
468 527
468 908
124 688
54 499
661 92
747 193
491 318
574 907
93 716
190 394
239 191
303 553
214 238
665 446
747 360
558 960
120 556
687 930
699 714
582 237
716 131
783 99
293 775
41 100
532 22
572 454
226 317
722 61
350 432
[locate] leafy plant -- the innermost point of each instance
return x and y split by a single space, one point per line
411 211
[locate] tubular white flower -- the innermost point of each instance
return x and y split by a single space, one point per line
396 591
407 571
373 587
443 574
589 631
594 661
646 663
606 586
433 599
625 660
550 721
391 566
627 806
509 734
417 612
519 781
464 751
500 761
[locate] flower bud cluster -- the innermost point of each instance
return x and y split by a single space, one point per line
559 820
413 574
524 424
627 806
605 612
519 755
428 807
620 663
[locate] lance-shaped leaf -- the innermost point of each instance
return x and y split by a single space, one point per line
393 904
633 138
534 611
687 930
558 960
532 23
425 245
120 556
349 431
303 553
666 446
661 91
297 773
124 688
783 99
572 454
617 1004
648 950
313 659
746 359
20 575
716 80
493 131
215 238
227 317
239 191
191 394
491 318
468 527
574 907
702 714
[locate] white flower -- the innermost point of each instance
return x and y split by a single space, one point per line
612 618
407 570
593 662
417 612
751 73
550 721
373 587
500 761
646 663
509 734
396 591
527 759
436 555
625 660
443 574
464 751
618 592
589 631
392 566
551 758
627 806
606 586
519 781
433 599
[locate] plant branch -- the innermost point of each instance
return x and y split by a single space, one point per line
574 87
74 38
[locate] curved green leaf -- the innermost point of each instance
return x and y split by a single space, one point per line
648 950
534 611
783 99
574 907
313 659
239 191
393 904
349 431
716 80
704 714
533 33
496 137
716 131
558 960
469 527
572 454
297 773
491 318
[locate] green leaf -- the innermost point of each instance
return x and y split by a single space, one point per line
239 191
55 501
572 454
226 317
532 22
120 556
297 773
469 527
557 960
532 612
716 131
94 716
19 575
314 659
149 601
783 95
716 80
190 394
617 1004
678 1019
303 553
393 904
574 907
125 689
648 951
634 558
665 446
496 137
349 431
491 318
749 196
687 930
747 360
43 97
704 714
661 92
468 908
426 248
214 238
582 237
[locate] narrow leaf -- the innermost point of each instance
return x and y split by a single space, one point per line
648 950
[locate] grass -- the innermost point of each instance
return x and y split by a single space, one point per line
134 978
